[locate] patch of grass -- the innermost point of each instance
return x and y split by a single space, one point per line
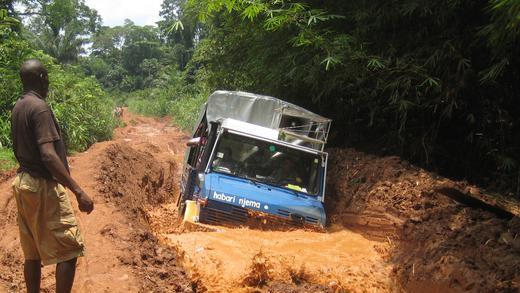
185 111
157 107
183 108
7 159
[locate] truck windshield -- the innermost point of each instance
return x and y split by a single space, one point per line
267 162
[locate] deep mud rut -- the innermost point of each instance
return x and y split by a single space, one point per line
393 228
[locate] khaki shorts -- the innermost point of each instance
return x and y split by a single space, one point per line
48 228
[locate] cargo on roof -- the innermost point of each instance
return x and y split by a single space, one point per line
293 122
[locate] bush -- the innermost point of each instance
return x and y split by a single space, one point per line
7 159
185 111
150 103
83 109
174 97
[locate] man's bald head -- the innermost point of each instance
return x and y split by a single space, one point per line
34 77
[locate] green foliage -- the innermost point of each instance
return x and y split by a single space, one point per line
432 81
143 103
7 22
130 57
5 131
185 111
13 51
61 27
81 106
127 58
7 159
174 97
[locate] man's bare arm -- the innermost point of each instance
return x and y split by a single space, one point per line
52 162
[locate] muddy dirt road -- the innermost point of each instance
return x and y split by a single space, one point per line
122 254
393 228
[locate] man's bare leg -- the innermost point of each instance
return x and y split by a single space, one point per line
65 272
32 271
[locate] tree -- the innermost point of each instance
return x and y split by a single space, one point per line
432 81
179 30
140 43
61 27
126 57
8 6
108 42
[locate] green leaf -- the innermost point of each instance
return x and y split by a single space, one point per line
330 61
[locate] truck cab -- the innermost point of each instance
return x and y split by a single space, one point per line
256 160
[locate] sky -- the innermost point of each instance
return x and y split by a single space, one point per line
114 12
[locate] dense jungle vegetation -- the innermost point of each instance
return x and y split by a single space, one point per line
435 82
79 102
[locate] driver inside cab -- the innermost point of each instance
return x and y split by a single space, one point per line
224 161
287 173
257 163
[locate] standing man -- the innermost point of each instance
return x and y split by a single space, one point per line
49 233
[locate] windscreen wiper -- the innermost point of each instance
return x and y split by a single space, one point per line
293 191
252 181
288 189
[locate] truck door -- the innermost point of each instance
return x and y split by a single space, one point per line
198 156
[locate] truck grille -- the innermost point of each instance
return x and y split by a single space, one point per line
311 220
218 213
287 214
284 213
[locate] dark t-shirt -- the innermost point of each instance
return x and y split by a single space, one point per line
32 124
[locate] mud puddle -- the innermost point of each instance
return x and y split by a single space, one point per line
340 260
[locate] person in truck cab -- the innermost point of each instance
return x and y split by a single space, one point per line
257 163
286 173
224 161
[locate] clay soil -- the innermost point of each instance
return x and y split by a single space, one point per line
393 228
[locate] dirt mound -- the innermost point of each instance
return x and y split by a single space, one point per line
435 239
139 184
134 179
156 265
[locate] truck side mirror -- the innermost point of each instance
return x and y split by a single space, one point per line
196 141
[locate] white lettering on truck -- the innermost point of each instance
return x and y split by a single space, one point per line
241 201
248 203
223 197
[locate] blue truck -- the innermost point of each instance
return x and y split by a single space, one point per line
256 160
